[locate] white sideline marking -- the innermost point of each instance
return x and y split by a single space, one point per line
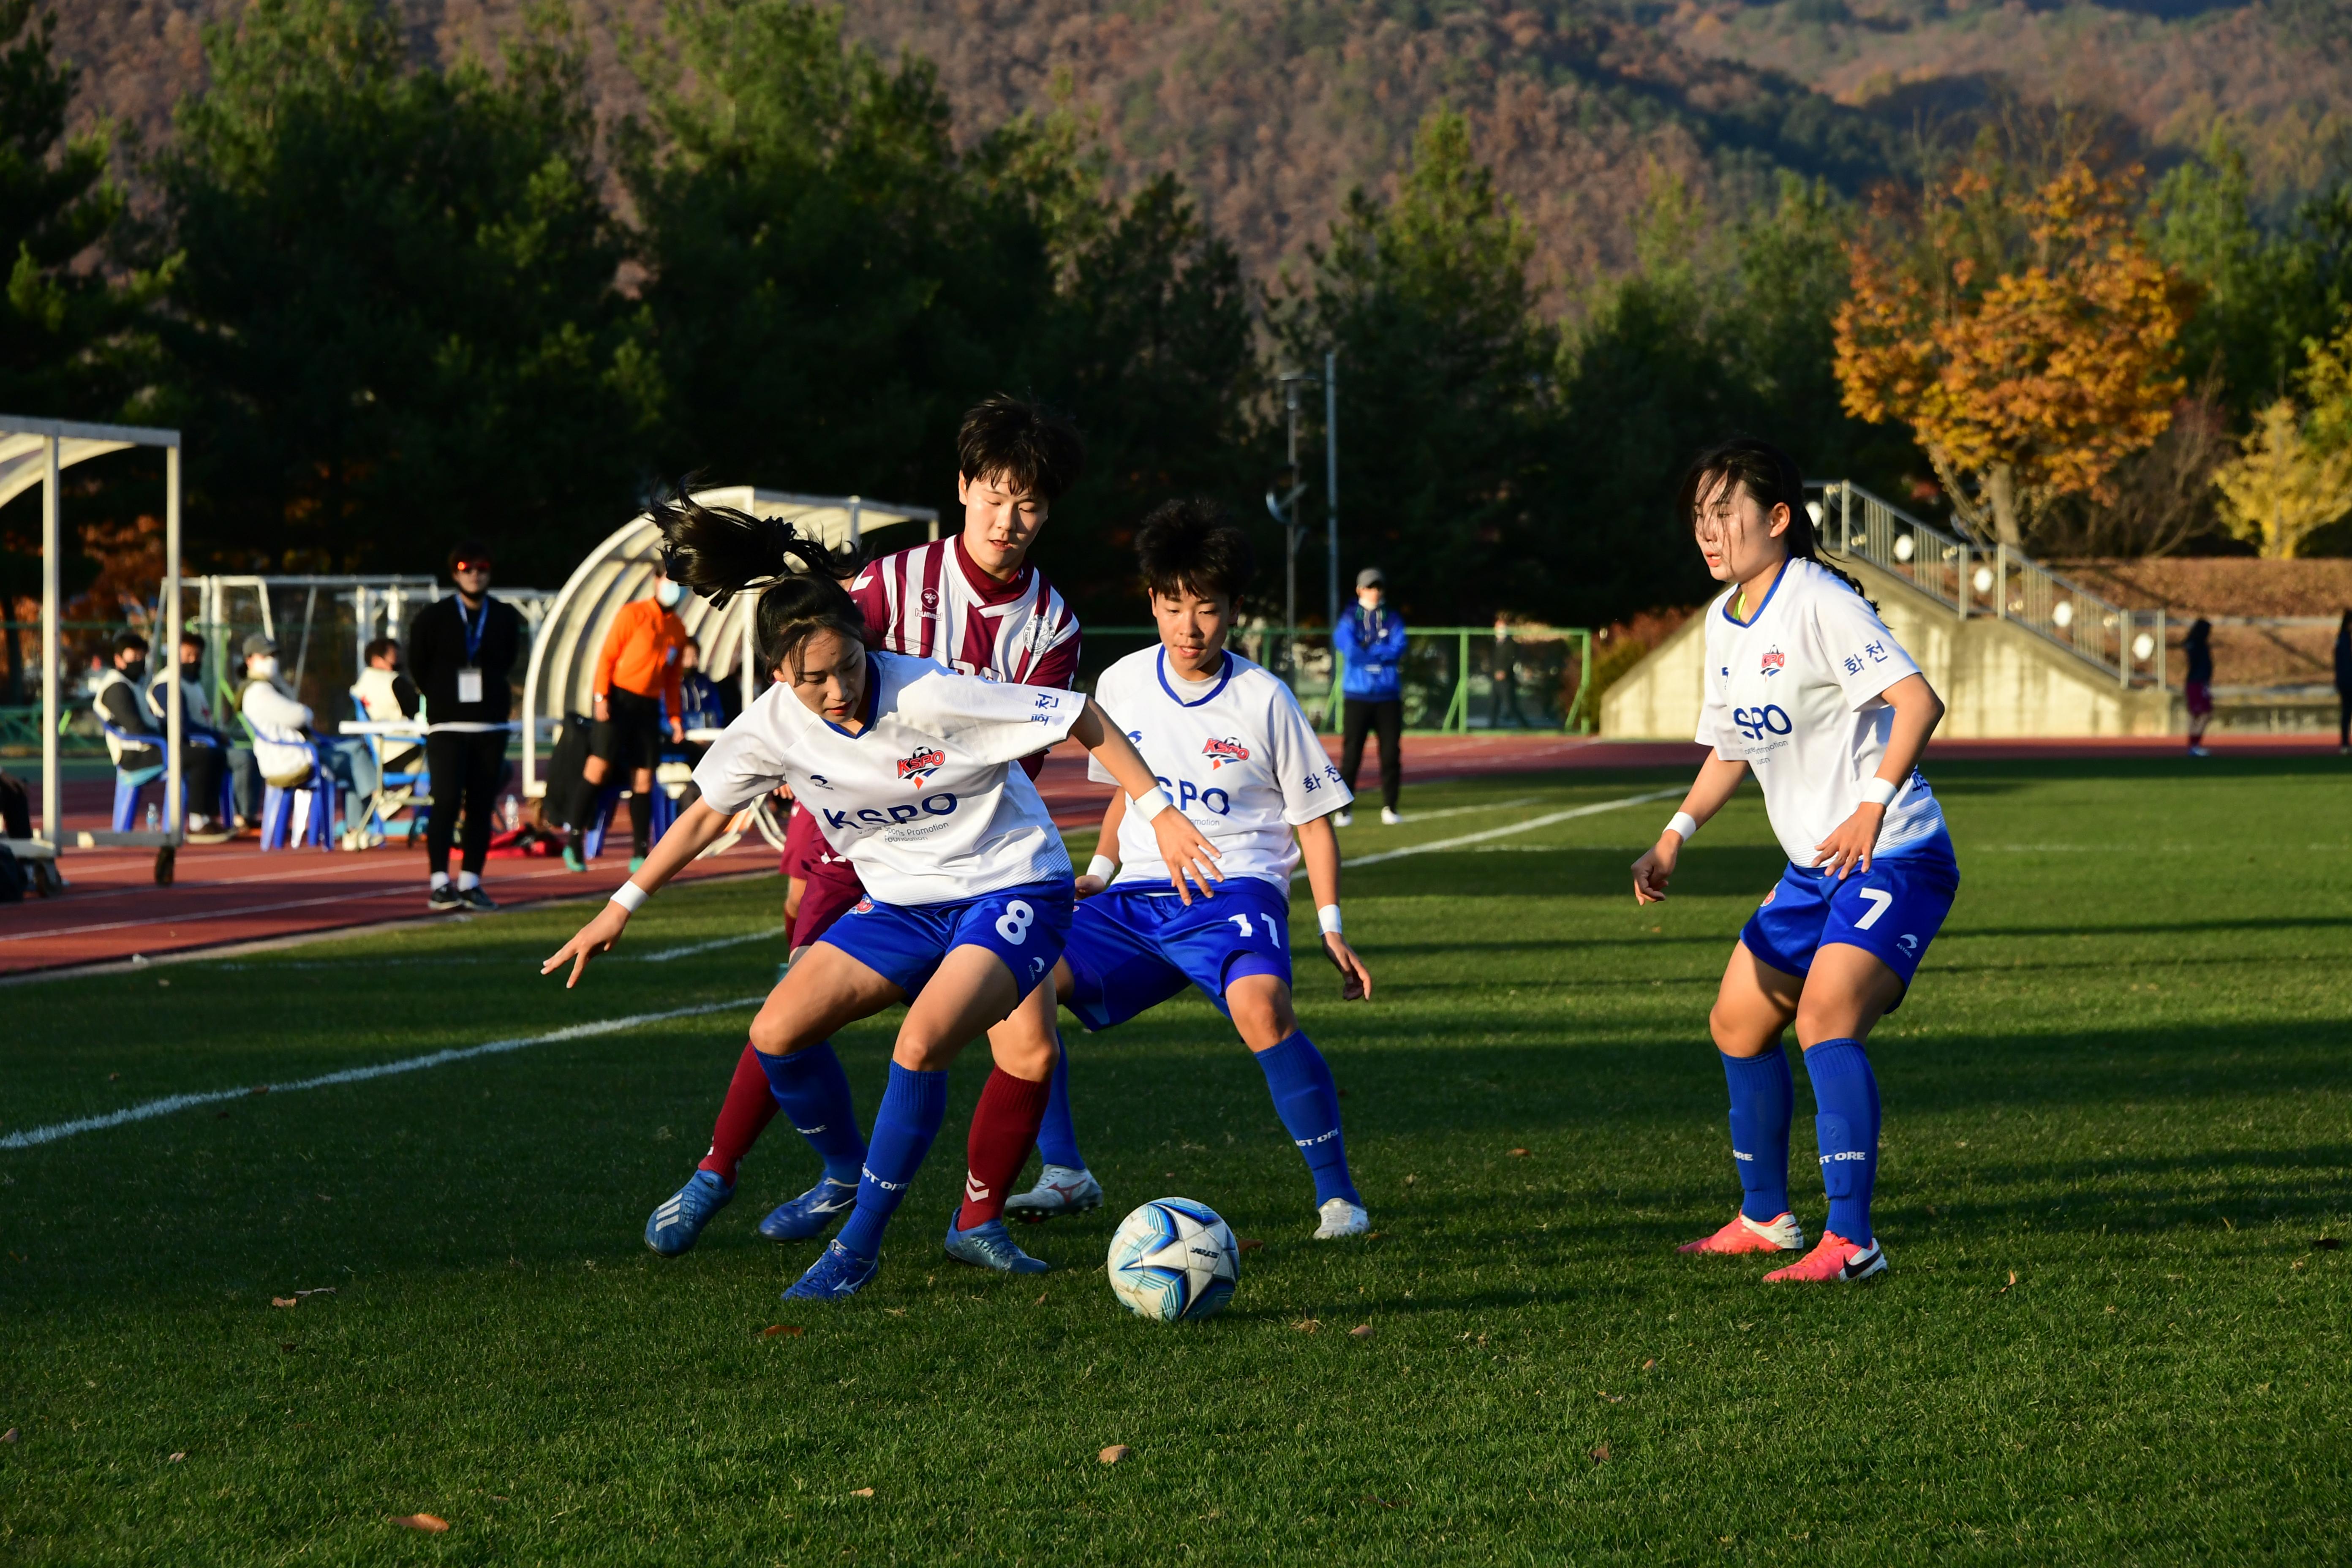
1419 817
661 956
665 955
1529 825
164 1107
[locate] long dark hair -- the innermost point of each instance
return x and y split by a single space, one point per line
2201 632
719 552
2344 628
1773 478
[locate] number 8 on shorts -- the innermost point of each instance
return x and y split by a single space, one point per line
1012 925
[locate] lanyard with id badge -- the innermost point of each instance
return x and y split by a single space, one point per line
469 677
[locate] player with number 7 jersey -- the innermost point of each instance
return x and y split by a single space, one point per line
1229 744
1808 689
913 773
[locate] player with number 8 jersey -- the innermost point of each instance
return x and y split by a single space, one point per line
911 770
1807 690
1230 746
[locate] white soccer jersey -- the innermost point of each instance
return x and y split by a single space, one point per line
923 801
934 603
1794 693
1235 754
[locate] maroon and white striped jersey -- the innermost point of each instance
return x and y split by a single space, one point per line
932 602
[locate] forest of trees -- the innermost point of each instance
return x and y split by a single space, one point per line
389 304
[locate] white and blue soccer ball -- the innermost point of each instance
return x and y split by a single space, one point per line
1174 1260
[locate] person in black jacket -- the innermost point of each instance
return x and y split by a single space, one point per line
461 652
2344 684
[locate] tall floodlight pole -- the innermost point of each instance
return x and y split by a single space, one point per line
1284 508
1330 478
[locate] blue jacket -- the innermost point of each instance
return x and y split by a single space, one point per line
1372 644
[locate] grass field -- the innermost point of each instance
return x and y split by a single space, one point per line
2118 1117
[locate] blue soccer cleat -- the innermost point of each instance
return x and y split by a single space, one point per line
836 1276
811 1215
674 1226
989 1244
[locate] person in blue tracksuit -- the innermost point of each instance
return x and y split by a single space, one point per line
1369 640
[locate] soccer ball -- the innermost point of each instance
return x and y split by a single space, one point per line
1174 1260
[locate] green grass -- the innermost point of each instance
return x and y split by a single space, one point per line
2118 1113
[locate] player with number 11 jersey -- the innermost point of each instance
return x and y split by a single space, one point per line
1230 746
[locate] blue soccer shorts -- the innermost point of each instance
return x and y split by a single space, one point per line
1025 926
1133 948
1891 912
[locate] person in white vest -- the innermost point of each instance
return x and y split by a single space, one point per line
282 735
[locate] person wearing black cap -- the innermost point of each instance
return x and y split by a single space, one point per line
461 651
1370 641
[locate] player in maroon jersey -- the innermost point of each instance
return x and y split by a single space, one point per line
971 601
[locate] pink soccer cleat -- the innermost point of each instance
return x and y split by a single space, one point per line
1834 1260
1744 1235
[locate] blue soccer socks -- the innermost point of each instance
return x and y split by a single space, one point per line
1057 1139
814 1093
1846 1095
1762 1101
1308 1104
912 1109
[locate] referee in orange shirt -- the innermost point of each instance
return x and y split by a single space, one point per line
637 673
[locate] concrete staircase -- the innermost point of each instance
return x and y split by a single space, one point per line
2013 649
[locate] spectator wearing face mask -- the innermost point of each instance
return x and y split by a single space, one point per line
638 681
205 754
283 738
130 707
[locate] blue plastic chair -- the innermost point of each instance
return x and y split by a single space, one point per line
396 792
277 809
130 783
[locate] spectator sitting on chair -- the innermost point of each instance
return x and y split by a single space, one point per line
206 755
637 675
283 739
386 696
461 654
116 696
700 705
1369 639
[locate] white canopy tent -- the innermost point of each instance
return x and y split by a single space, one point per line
34 452
561 676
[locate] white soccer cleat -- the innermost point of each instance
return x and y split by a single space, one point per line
1342 1218
1343 817
1060 1190
1390 818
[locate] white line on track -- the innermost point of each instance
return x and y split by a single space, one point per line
146 1110
1529 825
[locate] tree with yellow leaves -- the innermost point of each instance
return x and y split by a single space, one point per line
2282 486
2293 475
2028 338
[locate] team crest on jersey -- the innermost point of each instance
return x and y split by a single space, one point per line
930 598
1220 752
922 765
862 907
1775 661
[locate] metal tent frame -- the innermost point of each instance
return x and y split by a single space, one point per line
560 676
35 452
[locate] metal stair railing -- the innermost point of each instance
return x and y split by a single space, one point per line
2005 582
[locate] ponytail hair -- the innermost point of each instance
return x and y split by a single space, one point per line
1771 477
718 553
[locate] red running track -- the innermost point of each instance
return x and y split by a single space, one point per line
234 893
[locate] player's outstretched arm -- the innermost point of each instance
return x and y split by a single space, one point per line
1318 846
697 828
1104 867
1181 846
1917 711
1717 779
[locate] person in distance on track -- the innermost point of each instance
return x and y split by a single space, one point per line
911 768
1230 742
1807 689
973 601
1370 641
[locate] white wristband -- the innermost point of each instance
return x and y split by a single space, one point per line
1684 823
1103 868
1151 803
1328 917
1879 792
630 897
